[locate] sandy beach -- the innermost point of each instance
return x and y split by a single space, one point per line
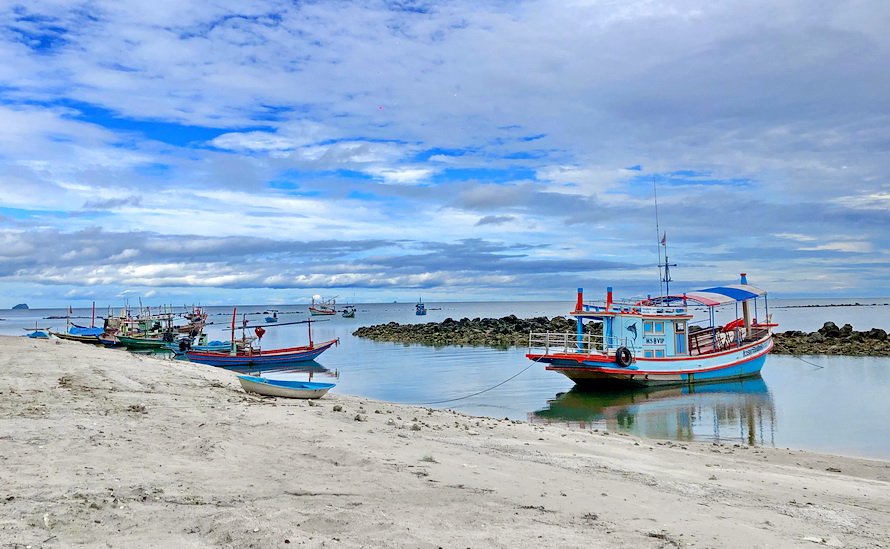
103 448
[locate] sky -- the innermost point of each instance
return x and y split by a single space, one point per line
265 151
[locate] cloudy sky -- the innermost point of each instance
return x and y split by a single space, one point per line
264 151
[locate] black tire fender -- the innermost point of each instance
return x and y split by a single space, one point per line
623 357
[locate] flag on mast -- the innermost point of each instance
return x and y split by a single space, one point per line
664 239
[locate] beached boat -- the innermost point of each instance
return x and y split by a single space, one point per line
80 334
198 343
242 353
146 343
250 356
652 341
280 388
322 307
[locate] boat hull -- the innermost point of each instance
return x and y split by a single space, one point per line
286 389
91 339
588 370
142 342
261 358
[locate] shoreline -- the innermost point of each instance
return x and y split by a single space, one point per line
102 448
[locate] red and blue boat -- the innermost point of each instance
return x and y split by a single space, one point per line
250 356
655 341
242 353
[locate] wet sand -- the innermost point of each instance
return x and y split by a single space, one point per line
103 448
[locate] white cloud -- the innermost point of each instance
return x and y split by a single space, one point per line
328 121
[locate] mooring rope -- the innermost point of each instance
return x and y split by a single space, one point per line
517 374
807 361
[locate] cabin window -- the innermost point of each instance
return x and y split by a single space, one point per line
679 327
653 327
647 354
659 353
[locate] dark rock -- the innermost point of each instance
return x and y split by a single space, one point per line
830 329
21 306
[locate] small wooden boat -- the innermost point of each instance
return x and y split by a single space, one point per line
287 389
134 342
250 356
242 353
349 311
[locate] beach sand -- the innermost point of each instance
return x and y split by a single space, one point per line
103 448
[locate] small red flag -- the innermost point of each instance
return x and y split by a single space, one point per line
664 239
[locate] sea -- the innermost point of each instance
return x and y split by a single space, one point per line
829 404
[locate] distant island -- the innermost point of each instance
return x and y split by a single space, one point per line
21 306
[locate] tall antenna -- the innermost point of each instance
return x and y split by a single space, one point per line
666 279
657 234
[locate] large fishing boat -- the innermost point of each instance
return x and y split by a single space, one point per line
656 341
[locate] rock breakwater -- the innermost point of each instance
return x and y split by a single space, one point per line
512 331
831 340
493 332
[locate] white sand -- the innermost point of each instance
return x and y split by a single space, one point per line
102 448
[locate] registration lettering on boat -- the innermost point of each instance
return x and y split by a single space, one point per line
654 341
755 349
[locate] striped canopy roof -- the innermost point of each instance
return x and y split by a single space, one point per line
723 295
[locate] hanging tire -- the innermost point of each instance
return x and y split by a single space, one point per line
623 357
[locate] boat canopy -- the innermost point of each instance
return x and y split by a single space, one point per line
723 295
81 331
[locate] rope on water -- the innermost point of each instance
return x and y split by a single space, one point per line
800 359
807 361
535 361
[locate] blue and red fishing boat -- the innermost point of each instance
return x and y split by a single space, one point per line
656 341
242 352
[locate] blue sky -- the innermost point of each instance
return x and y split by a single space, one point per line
268 151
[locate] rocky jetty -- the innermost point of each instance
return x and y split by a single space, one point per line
512 331
831 340
493 332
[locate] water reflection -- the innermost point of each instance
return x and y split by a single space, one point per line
300 370
729 412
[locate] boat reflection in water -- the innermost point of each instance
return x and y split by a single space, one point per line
739 412
300 370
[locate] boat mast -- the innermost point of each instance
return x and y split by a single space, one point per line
664 282
657 233
667 266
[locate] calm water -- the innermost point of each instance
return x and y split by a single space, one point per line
828 404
